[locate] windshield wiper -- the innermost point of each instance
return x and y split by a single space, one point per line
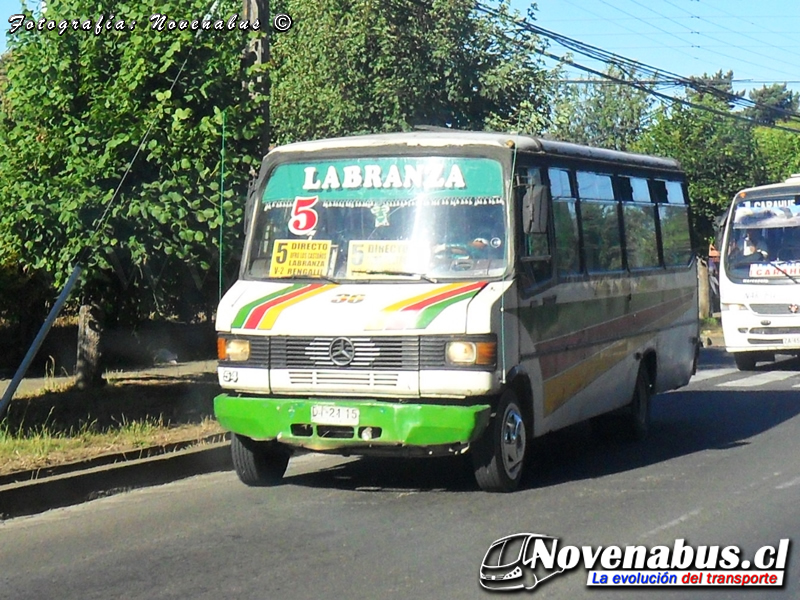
401 273
775 264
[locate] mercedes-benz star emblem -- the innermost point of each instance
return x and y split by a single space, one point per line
342 351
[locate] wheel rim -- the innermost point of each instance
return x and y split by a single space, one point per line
513 441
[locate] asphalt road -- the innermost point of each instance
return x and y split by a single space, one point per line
720 467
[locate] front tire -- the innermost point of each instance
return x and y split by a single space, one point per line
745 361
259 463
498 458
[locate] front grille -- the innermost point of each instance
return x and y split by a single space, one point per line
431 352
773 309
344 378
378 353
390 353
259 351
774 331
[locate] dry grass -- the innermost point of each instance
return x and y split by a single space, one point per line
60 424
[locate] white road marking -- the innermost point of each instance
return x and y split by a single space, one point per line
788 484
711 373
760 379
673 523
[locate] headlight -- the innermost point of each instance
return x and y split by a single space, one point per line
725 306
471 353
233 350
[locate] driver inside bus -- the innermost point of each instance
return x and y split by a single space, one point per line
755 244
482 236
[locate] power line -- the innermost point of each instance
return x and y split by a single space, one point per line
772 58
782 17
610 58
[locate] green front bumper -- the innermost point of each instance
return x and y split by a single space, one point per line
401 425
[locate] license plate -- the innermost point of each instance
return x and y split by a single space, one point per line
322 414
792 341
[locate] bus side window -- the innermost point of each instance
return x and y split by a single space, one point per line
599 222
639 217
673 217
536 257
565 221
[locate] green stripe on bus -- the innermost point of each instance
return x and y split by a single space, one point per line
245 311
430 313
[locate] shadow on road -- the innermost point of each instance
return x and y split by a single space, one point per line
684 422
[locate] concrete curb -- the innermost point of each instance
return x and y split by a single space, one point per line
93 481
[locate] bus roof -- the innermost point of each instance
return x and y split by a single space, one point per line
455 137
791 185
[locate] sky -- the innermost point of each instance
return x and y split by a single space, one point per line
757 40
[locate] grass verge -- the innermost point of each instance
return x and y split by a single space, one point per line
59 425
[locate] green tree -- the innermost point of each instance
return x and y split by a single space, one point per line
75 107
718 86
779 150
719 155
368 66
601 113
773 103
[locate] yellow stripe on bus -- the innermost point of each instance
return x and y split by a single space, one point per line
560 388
269 318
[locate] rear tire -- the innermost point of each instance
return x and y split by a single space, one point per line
637 419
259 463
498 458
745 361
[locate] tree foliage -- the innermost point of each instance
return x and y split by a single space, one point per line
602 113
368 66
74 109
774 103
717 86
779 151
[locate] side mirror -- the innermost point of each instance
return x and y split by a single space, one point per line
535 210
719 222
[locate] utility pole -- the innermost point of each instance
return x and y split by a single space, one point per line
257 53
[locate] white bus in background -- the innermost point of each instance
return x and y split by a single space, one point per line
760 273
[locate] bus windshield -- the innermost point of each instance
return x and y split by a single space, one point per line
397 218
764 240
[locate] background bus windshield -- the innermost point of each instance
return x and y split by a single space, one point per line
382 218
764 240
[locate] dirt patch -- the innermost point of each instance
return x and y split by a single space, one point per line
123 348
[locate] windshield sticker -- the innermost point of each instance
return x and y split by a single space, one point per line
304 218
381 212
298 258
368 259
775 270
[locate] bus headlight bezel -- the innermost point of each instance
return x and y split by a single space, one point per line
233 349
466 352
732 306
